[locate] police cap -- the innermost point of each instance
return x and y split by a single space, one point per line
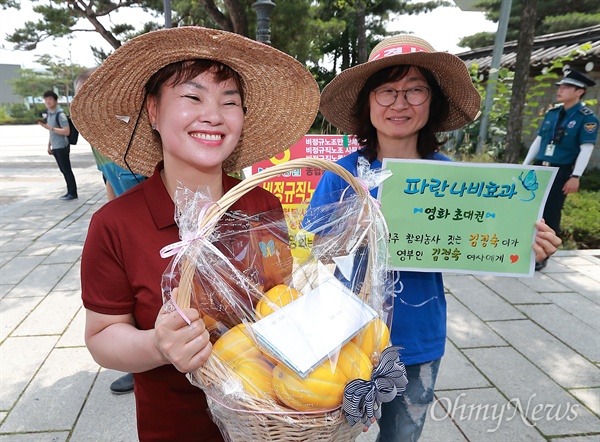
576 78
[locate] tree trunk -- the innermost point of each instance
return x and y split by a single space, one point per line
238 17
345 51
517 100
217 16
361 32
89 14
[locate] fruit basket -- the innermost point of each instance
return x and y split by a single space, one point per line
282 413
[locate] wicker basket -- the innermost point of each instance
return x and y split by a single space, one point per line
254 419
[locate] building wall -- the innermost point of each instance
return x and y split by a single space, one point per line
8 72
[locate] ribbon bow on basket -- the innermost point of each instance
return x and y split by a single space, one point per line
363 399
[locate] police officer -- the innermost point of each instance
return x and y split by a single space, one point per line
565 140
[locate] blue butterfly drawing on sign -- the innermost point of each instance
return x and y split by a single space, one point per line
529 183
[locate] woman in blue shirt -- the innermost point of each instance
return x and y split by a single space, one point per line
396 104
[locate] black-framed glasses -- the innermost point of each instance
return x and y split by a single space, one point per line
415 96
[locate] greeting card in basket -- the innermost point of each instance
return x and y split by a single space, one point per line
305 332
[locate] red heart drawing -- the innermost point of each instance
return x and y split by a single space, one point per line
514 258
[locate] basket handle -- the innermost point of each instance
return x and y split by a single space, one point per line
216 211
227 200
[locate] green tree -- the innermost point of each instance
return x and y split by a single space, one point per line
365 24
60 19
462 143
63 17
32 83
529 18
552 16
63 73
59 75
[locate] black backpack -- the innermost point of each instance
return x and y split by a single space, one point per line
73 132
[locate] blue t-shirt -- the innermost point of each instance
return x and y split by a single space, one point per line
419 317
579 126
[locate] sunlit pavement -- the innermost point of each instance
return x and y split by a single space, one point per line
522 357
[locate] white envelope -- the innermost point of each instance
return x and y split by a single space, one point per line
305 332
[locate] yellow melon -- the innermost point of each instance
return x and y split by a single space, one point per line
373 338
256 376
235 344
320 390
354 362
275 298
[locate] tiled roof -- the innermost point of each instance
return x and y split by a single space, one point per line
545 49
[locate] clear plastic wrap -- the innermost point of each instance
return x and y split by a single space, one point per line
289 335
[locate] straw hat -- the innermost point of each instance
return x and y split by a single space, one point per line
339 96
280 94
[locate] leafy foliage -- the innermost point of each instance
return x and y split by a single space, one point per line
463 143
59 18
572 20
552 16
590 180
32 83
19 113
580 222
478 40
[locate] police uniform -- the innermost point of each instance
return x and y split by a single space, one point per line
562 134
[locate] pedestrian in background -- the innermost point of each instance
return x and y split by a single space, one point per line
58 144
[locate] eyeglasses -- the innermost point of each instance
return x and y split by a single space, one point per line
415 96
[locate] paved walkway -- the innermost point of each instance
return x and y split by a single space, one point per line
522 360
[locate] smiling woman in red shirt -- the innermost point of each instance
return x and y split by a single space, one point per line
184 106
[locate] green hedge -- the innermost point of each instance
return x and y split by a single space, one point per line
580 223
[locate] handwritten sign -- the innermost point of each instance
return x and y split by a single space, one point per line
463 217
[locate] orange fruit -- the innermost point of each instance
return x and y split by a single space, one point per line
373 338
235 344
275 298
321 389
256 376
354 362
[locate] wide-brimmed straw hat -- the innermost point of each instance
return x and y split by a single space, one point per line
280 94
339 96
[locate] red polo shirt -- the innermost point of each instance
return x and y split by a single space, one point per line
121 271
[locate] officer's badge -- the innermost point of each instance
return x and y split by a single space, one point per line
590 127
571 124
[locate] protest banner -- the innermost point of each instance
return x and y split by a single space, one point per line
294 189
